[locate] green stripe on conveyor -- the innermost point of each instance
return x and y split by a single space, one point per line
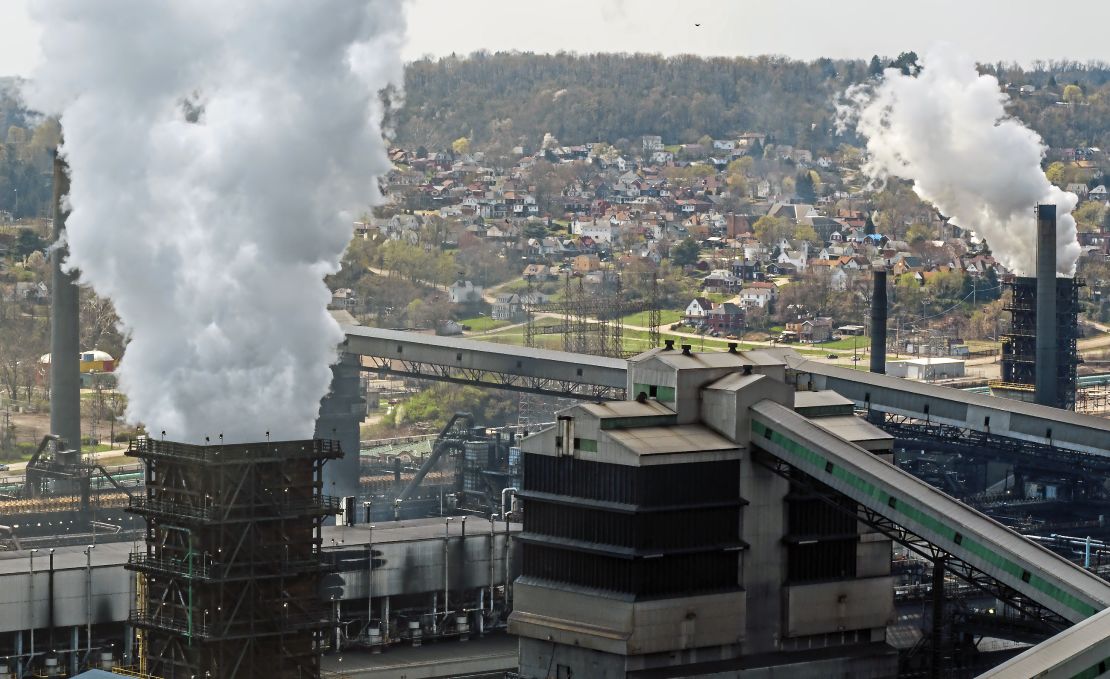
921 517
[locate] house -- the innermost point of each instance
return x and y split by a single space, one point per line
652 143
464 292
697 310
343 298
536 272
812 330
758 294
599 231
721 280
1078 189
1098 193
662 157
586 263
507 307
796 258
33 291
726 318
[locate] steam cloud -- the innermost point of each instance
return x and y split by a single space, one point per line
218 153
946 130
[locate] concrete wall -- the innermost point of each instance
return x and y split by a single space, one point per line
113 591
417 567
763 563
626 627
843 605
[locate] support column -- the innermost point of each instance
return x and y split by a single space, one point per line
128 644
75 644
22 665
937 665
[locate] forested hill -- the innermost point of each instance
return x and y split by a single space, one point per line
514 98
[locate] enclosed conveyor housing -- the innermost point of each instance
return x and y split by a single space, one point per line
1030 570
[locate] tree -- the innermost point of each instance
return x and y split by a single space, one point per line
907 63
1089 216
875 67
535 230
807 233
804 188
1056 173
770 230
919 233
27 242
1073 94
1106 220
686 253
461 146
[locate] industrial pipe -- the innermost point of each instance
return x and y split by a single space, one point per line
65 349
88 599
878 322
31 587
505 511
1047 375
50 600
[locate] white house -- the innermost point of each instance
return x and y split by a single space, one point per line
463 292
798 258
662 157
757 296
698 309
599 231
652 142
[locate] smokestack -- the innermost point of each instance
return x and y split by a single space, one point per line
1046 372
65 372
878 323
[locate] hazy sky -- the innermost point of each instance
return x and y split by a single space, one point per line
988 30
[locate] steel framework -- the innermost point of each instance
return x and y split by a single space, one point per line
1019 344
920 546
977 444
231 568
535 384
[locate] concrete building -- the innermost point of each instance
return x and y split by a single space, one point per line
925 369
655 540
79 603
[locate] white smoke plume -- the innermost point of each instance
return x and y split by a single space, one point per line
946 130
218 153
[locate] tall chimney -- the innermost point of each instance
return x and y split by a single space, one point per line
65 370
878 322
1046 371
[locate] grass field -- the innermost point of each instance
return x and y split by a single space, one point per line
483 323
666 317
861 342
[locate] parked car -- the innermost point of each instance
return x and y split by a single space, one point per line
833 356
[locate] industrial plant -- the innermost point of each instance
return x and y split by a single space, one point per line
683 514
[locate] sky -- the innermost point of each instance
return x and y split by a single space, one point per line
987 30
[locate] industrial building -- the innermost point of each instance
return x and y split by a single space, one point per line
653 541
1019 344
1040 351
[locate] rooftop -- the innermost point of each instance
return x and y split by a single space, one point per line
688 438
